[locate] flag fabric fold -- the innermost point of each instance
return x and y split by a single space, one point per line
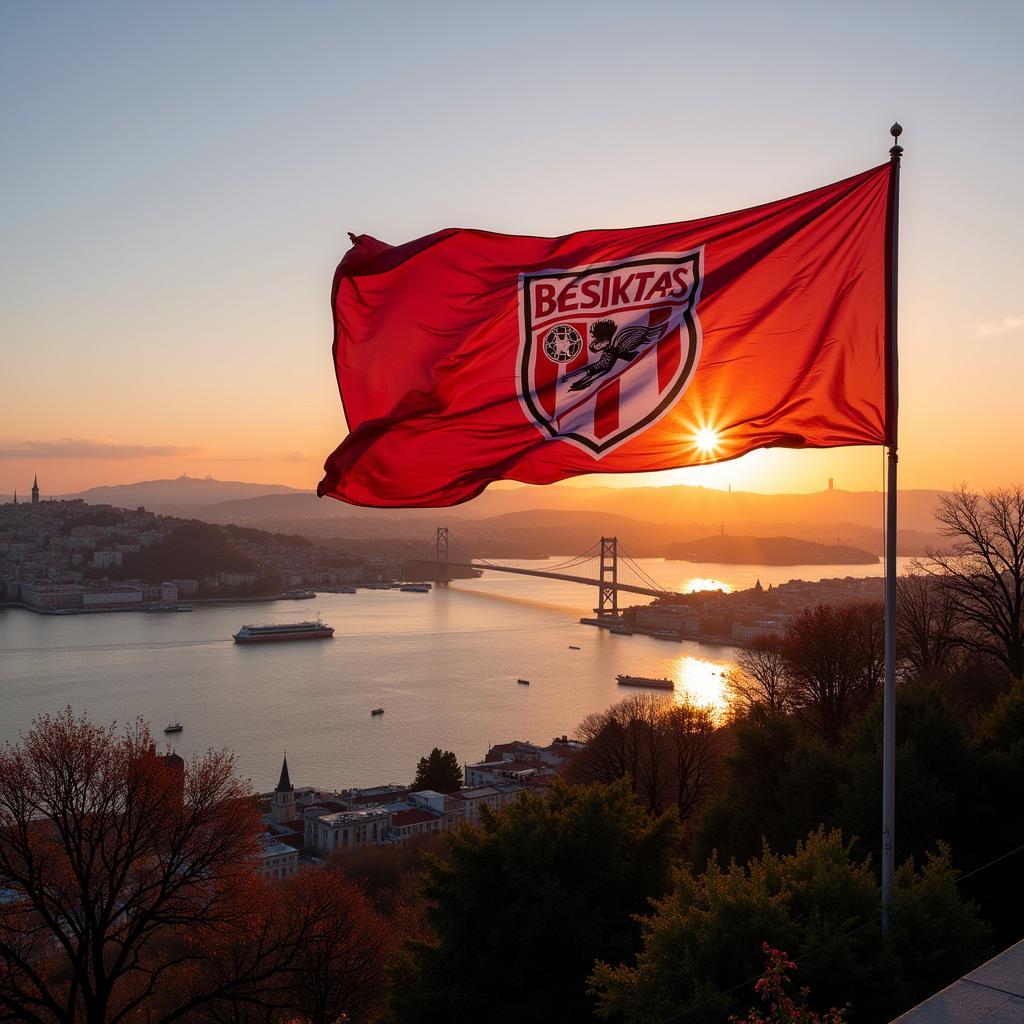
466 356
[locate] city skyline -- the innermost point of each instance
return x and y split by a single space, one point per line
176 200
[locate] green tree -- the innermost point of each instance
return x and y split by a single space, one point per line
706 937
527 902
439 770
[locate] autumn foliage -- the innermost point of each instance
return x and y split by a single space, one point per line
131 891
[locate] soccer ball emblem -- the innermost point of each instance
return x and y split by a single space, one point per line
562 343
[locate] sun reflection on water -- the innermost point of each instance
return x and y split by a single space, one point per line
699 583
703 682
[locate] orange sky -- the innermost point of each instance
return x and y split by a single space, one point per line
175 197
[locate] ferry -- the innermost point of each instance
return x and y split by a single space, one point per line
377 711
174 727
284 631
647 682
298 595
415 588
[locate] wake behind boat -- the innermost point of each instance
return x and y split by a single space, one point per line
314 630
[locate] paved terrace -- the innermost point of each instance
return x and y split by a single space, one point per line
992 994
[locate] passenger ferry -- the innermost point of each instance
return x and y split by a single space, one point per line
415 588
647 682
284 631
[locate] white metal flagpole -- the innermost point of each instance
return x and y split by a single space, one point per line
892 403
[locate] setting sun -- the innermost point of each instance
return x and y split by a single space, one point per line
707 441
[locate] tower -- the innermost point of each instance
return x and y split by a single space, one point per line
35 490
608 590
15 495
283 807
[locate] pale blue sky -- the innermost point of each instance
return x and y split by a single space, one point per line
177 181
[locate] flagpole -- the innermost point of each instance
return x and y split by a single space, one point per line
892 402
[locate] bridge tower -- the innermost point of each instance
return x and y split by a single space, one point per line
441 552
608 603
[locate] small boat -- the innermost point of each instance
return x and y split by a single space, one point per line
573 647
174 727
523 682
415 588
377 711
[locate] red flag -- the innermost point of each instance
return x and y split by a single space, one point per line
467 356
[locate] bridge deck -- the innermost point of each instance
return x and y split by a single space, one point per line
628 588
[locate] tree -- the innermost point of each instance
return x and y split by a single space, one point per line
691 739
834 659
439 770
926 625
527 902
983 572
706 936
761 676
667 750
338 971
126 871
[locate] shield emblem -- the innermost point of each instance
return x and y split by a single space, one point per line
605 350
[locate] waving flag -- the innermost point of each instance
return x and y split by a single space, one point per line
467 356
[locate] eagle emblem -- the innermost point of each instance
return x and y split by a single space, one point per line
639 319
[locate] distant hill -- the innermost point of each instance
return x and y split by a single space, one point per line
183 494
555 519
662 516
769 551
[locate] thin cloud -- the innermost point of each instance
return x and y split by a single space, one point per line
85 448
1008 323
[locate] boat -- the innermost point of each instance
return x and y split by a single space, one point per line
377 711
663 635
174 727
647 682
573 647
415 588
523 682
298 595
314 630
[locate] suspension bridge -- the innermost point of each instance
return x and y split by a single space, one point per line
604 565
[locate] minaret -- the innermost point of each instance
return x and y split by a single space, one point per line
15 495
283 808
35 490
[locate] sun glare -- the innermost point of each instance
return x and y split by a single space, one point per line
707 441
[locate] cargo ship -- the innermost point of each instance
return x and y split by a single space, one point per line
646 681
284 631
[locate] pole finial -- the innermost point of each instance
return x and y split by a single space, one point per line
896 131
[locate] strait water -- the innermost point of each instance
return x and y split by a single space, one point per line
443 666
